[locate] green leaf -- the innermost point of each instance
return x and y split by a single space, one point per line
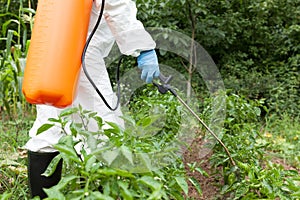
44 127
145 162
296 194
292 185
5 25
196 185
129 119
97 195
92 142
145 122
231 178
267 187
66 147
115 127
55 193
127 153
54 120
5 196
68 152
110 156
201 171
151 182
181 181
177 195
75 128
92 114
126 194
90 162
156 195
124 173
243 166
66 140
28 10
241 191
225 189
52 166
99 121
68 111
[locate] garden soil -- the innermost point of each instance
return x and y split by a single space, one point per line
209 184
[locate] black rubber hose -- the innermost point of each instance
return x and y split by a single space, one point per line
86 72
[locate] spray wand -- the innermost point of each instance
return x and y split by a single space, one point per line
165 87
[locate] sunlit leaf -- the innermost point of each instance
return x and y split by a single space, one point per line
52 166
44 128
181 181
196 185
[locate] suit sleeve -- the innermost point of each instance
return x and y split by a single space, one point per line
129 33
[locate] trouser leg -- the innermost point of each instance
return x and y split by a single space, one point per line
37 164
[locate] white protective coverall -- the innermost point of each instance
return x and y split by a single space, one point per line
119 24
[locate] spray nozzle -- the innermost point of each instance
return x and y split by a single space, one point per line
164 79
161 88
164 87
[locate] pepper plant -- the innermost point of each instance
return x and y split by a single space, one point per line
254 176
113 162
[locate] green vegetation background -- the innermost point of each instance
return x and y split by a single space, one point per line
255 45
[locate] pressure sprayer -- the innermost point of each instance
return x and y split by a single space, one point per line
57 50
53 61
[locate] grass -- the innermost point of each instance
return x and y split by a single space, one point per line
283 135
13 162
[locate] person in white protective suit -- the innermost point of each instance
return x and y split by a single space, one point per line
120 25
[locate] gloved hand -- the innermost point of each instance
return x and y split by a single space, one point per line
148 63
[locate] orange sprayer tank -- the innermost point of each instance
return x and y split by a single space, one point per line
54 56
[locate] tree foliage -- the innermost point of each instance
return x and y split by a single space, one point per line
255 44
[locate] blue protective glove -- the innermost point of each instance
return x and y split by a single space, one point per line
148 63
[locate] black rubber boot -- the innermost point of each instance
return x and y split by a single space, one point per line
37 164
